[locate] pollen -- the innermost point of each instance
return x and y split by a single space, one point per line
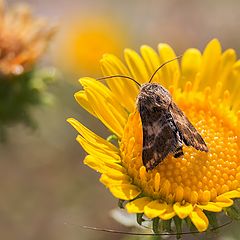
195 177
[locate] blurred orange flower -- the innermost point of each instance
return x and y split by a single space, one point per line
84 41
23 38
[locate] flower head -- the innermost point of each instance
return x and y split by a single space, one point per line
194 186
85 40
23 38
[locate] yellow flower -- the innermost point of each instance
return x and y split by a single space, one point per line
85 40
23 39
194 186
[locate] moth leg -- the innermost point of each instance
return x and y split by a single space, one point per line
178 152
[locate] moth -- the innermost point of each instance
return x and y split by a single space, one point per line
165 127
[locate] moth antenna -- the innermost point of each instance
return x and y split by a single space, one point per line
162 66
145 234
122 76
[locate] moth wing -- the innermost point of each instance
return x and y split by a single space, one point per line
188 132
159 138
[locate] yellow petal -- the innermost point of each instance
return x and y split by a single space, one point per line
97 151
113 164
154 209
223 201
92 137
211 207
137 206
183 210
210 62
107 114
170 72
231 194
234 85
117 65
115 174
109 181
227 61
100 90
168 214
191 63
113 115
82 99
125 191
113 170
94 164
136 66
104 166
199 219
152 61
112 66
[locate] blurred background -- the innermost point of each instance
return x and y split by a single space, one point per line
44 185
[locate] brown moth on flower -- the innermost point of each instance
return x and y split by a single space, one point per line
165 127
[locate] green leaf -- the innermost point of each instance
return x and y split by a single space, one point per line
120 203
178 224
167 225
140 218
155 225
19 94
233 212
212 217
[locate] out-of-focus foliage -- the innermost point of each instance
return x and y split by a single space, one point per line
23 39
19 94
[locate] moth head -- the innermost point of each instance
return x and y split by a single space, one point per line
155 94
